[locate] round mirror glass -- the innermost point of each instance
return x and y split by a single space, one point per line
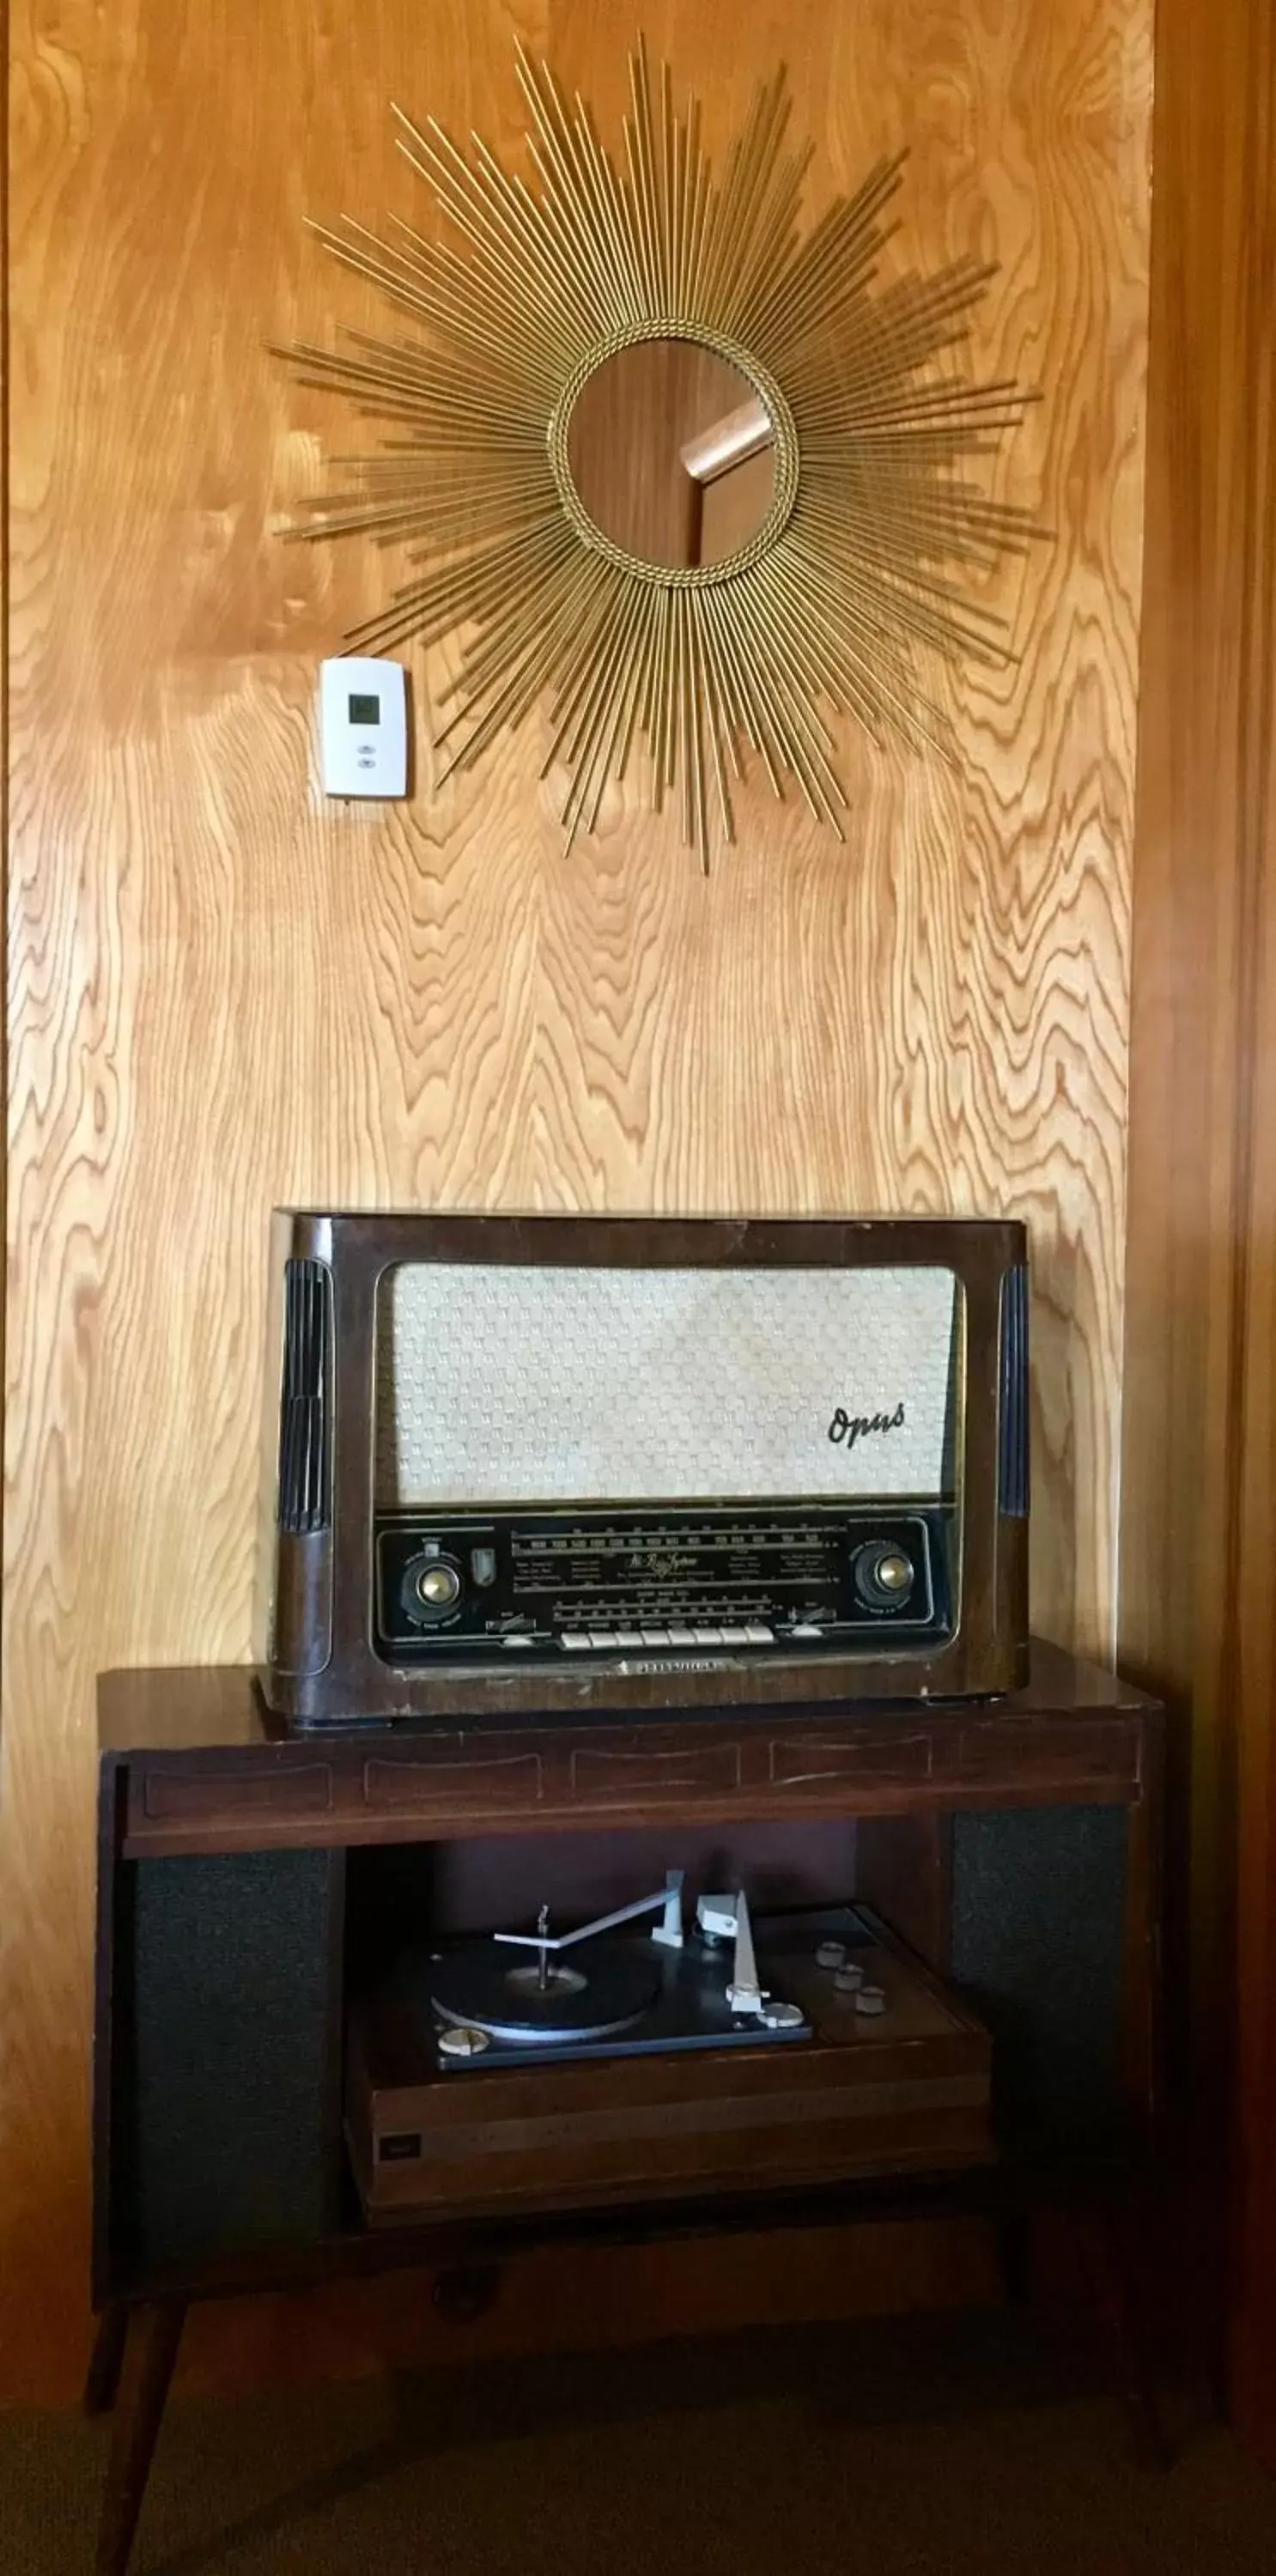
672 453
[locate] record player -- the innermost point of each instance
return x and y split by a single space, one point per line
541 2065
573 1995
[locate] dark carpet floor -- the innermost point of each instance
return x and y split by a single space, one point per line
955 2445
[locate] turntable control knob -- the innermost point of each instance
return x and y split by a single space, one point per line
780 2016
462 2040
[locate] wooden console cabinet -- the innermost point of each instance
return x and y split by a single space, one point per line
244 1873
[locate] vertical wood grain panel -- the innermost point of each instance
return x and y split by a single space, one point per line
1198 1529
223 994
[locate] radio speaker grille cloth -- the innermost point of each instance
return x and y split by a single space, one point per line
505 1383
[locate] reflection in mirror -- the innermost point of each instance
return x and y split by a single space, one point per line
672 454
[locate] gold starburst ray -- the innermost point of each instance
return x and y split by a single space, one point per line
829 270
877 526
570 615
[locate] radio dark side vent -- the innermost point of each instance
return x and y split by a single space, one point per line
1012 1477
305 1483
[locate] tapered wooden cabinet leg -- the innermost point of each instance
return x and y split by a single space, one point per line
1013 2227
154 2334
1106 2262
101 2385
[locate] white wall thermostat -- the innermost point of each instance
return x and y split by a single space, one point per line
363 727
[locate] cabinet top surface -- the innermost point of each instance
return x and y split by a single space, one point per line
197 1709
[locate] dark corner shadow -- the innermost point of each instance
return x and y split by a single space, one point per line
875 2371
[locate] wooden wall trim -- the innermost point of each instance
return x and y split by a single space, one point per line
1197 1600
1254 1673
5 376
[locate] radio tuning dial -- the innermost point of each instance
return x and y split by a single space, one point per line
884 1576
431 1589
439 1586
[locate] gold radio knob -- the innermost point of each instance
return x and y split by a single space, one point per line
884 1575
439 1585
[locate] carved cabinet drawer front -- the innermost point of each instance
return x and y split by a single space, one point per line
602 1776
167 1798
812 1761
479 1783
1009 1750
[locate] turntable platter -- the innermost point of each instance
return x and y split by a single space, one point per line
511 1997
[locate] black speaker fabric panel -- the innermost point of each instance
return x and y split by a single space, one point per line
1038 1948
222 2117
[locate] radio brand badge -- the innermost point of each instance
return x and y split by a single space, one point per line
851 1427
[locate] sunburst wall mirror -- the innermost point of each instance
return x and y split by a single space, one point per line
693 476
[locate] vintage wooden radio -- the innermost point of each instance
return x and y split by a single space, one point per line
563 1463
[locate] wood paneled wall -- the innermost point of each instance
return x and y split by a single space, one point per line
222 993
1198 1522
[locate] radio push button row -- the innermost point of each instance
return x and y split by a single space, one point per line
709 1637
656 1637
629 1637
573 1639
757 1635
604 1638
735 1636
682 1636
